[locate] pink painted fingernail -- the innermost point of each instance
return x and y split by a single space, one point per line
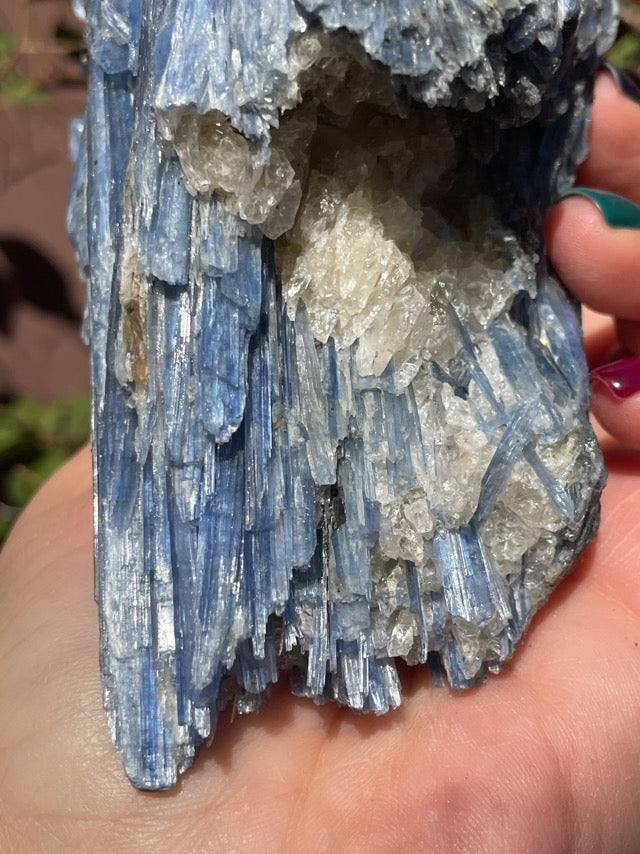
619 379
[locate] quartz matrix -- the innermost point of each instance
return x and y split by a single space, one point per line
339 399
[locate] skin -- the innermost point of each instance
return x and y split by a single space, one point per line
543 758
599 264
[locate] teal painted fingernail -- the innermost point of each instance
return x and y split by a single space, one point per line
617 211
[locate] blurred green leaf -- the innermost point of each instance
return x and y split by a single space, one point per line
35 439
11 434
63 423
20 483
45 465
625 53
22 480
26 412
17 89
66 423
8 49
5 527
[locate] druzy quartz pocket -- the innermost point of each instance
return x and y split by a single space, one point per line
339 399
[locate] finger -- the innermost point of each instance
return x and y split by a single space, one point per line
614 158
600 264
607 339
615 399
600 338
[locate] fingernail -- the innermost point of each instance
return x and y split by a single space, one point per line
617 211
626 84
619 380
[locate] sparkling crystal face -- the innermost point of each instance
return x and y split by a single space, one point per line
339 399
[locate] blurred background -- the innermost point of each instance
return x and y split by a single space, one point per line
44 401
43 363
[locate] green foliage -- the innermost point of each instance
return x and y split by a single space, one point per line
35 439
15 88
625 53
8 50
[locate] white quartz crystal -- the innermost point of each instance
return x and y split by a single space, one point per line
353 185
382 246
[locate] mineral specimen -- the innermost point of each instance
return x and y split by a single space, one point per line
339 399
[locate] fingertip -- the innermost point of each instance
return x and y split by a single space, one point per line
612 79
600 337
570 225
597 263
614 155
615 399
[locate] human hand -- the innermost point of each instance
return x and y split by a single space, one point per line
601 265
544 757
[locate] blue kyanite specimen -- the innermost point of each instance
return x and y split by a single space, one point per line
339 400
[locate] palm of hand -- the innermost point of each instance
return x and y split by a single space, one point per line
544 756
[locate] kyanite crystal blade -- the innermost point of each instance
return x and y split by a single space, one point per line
339 398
